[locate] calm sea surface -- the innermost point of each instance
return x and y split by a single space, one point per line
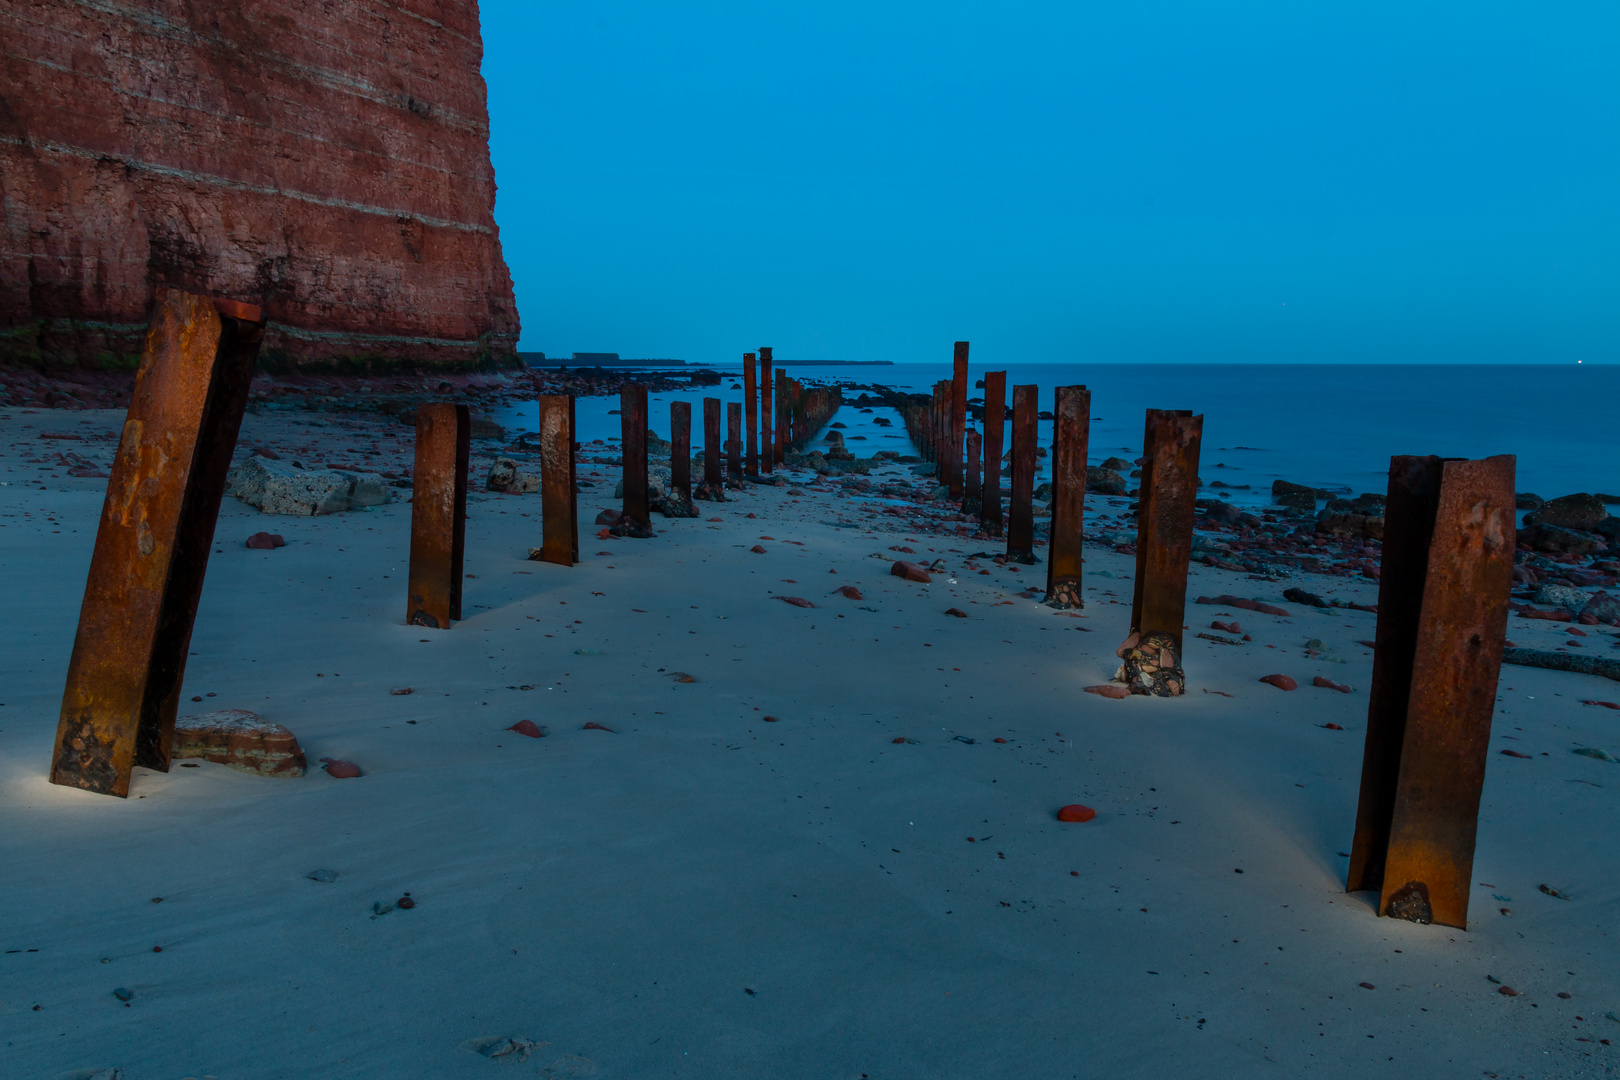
1329 426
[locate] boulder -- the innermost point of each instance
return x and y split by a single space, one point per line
239 739
1335 523
1223 512
1118 464
482 428
1582 512
1526 500
658 480
277 487
1543 537
1102 480
1280 488
1601 608
910 571
504 475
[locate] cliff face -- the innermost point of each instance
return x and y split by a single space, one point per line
328 159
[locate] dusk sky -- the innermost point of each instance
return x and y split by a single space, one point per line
1143 182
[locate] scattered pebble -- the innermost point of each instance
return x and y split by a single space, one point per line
849 592
1075 812
342 770
263 541
1109 690
1281 682
957 612
401 691
592 725
1328 684
123 993
325 877
758 549
529 728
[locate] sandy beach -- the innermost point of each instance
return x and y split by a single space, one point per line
832 853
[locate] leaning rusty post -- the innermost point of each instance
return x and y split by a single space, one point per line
970 486
1164 533
767 445
713 487
734 425
995 418
559 514
751 403
959 392
438 515
637 521
1447 569
1021 500
1071 434
152 546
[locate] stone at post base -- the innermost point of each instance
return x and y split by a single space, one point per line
632 530
970 506
505 476
1064 595
675 505
241 740
1025 558
1152 665
710 494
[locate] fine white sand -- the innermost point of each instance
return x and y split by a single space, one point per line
707 894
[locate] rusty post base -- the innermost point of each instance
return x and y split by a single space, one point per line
675 505
1151 665
438 515
1447 569
152 546
1064 594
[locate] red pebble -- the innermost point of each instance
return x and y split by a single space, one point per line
1000 739
263 541
713 519
770 719
903 549
1109 690
1076 812
1605 704
603 534
341 769
1368 986
901 739
796 601
849 591
1333 727
1514 753
958 612
1281 682
592 725
753 515
758 549
767 538
529 728
1226 627
1328 684
1507 991
910 571
405 902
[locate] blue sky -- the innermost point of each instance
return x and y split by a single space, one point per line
1141 182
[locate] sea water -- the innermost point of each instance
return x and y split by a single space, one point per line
1329 426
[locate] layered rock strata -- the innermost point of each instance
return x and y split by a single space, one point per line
328 160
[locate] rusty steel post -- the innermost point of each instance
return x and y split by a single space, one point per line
1021 501
559 512
680 448
438 515
1447 569
959 396
1164 523
995 418
1071 434
767 444
152 545
734 426
637 519
713 487
751 403
779 448
970 485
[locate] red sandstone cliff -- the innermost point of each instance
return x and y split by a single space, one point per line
326 158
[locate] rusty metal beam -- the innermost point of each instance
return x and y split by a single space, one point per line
958 431
713 487
995 419
680 448
1443 590
734 425
783 402
1071 434
559 508
1164 523
637 519
751 403
1021 502
438 515
152 545
767 445
970 485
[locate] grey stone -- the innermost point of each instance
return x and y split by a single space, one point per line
1562 596
1582 512
504 475
1102 480
277 487
658 481
1602 607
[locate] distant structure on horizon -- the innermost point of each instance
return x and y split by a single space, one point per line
328 161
